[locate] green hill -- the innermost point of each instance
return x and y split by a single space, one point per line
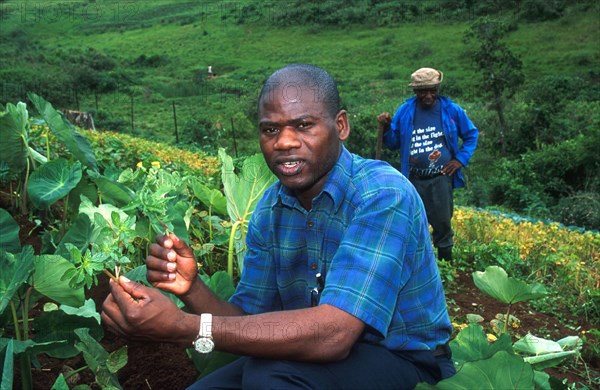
138 65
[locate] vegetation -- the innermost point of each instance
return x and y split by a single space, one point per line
141 68
99 197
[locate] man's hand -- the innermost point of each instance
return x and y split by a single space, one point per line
451 168
384 119
171 265
136 311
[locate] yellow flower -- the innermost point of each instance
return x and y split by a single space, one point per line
139 165
491 338
156 164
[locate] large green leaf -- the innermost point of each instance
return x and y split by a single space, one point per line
60 325
546 353
211 197
501 371
243 192
53 181
65 132
49 270
80 234
13 133
103 364
222 285
496 283
112 191
15 272
9 233
7 368
471 344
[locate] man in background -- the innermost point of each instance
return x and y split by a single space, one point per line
426 130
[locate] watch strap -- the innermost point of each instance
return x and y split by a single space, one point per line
205 325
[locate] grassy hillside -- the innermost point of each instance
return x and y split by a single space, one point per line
372 64
132 63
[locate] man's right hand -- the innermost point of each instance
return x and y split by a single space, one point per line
385 119
171 265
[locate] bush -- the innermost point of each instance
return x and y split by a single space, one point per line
581 209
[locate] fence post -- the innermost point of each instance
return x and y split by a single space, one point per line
175 121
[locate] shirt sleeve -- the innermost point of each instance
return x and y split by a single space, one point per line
376 256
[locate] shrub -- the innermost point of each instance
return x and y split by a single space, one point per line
581 209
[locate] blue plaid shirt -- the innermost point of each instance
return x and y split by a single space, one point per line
367 233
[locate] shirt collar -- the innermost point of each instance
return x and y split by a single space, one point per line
336 186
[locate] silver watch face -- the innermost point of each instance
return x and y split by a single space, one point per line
204 344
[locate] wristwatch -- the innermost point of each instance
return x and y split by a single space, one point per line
204 342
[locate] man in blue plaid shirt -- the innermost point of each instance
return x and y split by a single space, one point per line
340 288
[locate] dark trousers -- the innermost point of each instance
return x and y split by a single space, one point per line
368 366
436 194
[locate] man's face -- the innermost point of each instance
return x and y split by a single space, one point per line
427 97
300 141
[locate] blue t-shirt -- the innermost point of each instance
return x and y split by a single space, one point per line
428 150
368 234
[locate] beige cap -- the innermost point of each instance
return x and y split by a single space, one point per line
426 78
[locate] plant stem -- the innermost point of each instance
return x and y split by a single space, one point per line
231 248
26 314
506 322
71 373
64 218
13 309
110 275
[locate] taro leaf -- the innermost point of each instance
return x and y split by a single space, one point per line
49 270
105 210
243 192
97 359
7 367
88 310
9 233
501 371
211 197
117 360
15 272
496 283
177 214
53 181
112 191
60 383
31 346
533 345
65 132
471 344
138 274
548 360
13 133
570 342
80 234
60 324
547 353
207 363
222 285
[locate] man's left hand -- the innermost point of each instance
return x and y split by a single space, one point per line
451 168
134 310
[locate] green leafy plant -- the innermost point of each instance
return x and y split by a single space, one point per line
495 282
502 364
243 192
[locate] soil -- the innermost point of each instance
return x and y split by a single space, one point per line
164 366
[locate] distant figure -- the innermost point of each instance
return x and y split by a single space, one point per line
85 120
426 129
210 72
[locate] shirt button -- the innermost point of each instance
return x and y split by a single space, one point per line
313 266
311 224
